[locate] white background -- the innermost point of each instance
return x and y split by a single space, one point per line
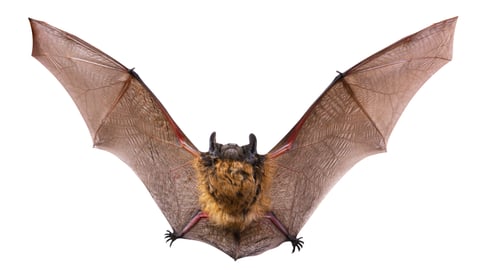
238 67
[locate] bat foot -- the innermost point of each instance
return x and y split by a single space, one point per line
297 243
171 237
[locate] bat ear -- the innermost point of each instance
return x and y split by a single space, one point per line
213 142
253 143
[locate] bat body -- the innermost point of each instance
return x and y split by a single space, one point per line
230 196
231 185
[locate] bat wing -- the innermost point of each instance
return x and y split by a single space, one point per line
124 118
351 120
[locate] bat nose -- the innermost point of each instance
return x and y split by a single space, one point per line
231 145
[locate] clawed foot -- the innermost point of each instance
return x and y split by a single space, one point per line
297 243
171 237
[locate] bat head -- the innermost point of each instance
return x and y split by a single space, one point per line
247 153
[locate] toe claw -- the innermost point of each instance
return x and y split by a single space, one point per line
171 237
297 243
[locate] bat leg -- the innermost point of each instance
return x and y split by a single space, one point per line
172 236
297 243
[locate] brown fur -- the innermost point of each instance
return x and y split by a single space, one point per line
233 193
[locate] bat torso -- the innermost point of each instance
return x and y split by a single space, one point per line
233 193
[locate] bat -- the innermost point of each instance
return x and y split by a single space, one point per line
231 197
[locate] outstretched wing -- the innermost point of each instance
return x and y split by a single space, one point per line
351 120
125 118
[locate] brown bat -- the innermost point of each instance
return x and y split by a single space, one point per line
231 197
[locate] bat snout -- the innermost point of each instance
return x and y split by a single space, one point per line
232 151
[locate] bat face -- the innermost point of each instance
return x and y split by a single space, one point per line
246 153
231 197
